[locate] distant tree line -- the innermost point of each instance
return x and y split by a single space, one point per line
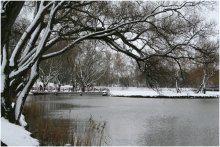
93 65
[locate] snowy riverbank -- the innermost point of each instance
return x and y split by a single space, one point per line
14 135
163 92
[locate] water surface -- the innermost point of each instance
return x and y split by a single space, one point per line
142 121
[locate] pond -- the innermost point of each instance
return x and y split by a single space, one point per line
142 121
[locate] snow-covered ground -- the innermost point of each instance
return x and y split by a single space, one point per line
14 135
134 91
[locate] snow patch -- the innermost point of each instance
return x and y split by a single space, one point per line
3 66
14 135
134 91
38 84
22 121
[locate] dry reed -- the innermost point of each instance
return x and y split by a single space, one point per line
53 132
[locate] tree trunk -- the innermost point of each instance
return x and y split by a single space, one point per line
20 101
58 89
83 88
203 84
45 85
177 86
73 85
10 11
6 100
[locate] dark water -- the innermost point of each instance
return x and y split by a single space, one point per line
136 121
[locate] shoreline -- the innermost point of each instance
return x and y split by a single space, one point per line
168 97
133 96
66 93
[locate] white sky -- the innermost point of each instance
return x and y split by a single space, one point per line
210 14
213 14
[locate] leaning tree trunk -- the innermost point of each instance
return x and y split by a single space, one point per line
6 98
20 101
202 87
9 13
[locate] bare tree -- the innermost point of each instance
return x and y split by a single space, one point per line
70 67
141 30
49 70
90 65
208 61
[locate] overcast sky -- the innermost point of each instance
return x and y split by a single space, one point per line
213 14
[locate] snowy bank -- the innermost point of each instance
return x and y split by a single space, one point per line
163 92
14 135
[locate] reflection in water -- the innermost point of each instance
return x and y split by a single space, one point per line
61 106
60 131
169 131
133 121
161 130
